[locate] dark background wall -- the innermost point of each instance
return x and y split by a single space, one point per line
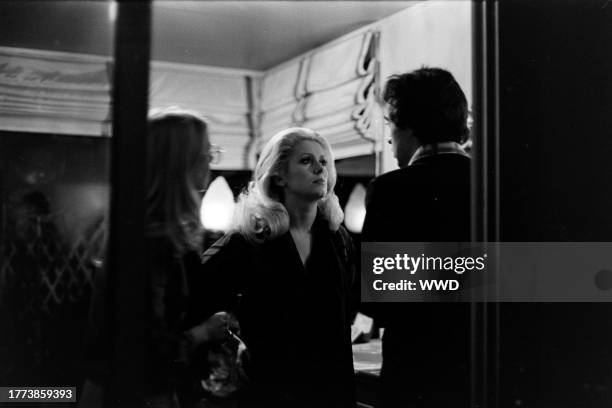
556 185
54 200
556 119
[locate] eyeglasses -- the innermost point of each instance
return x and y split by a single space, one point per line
214 154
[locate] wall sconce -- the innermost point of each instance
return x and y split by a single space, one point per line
355 211
112 11
217 206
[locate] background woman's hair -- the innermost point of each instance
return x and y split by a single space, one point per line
260 214
175 144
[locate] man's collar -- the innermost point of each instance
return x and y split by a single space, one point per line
437 148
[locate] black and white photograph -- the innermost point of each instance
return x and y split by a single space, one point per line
306 204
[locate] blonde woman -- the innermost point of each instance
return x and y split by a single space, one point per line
292 263
179 156
179 153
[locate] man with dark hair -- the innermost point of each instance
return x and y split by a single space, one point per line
425 345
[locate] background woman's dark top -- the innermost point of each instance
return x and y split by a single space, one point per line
170 314
295 319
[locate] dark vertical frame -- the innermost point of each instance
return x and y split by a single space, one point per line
485 197
128 280
3 192
556 139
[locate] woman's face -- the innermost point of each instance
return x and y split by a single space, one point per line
307 172
202 168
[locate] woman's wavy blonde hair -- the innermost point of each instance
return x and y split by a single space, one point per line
260 214
175 160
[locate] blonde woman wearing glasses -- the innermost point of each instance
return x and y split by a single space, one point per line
293 265
178 157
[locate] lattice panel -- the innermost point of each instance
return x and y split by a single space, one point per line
49 271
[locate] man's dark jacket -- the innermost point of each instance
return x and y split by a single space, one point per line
425 345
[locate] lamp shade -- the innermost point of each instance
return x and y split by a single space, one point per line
355 211
217 206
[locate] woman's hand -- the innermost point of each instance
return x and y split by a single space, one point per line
214 329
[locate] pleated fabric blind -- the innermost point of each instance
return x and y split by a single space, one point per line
52 92
65 93
331 90
222 97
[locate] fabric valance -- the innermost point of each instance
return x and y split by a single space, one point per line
331 90
222 98
52 92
